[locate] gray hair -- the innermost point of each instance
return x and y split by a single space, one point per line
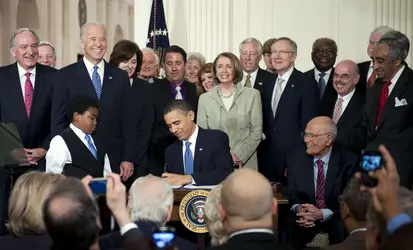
400 37
45 43
251 40
19 31
150 198
376 220
196 56
381 30
294 47
92 23
213 220
396 49
325 39
146 49
332 128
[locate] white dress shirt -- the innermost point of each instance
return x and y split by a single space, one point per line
192 140
326 76
285 77
58 154
22 78
395 79
252 230
101 68
253 76
370 71
346 100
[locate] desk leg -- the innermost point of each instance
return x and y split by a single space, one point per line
200 238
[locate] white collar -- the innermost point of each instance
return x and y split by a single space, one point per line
348 96
397 75
252 74
317 72
89 65
252 230
358 230
193 137
77 131
286 75
22 71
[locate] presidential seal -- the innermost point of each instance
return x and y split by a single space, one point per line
192 211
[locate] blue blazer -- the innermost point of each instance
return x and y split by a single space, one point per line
212 160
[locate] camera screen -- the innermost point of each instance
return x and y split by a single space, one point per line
98 186
163 239
371 162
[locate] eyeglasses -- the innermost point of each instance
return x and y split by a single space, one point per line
282 52
312 136
344 77
329 53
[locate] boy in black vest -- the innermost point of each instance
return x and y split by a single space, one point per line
73 152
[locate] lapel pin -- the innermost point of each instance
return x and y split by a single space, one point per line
110 77
260 83
200 149
292 86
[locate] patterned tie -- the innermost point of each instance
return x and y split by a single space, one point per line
96 81
28 93
248 81
321 182
372 79
277 96
91 147
178 95
337 110
384 94
188 160
321 84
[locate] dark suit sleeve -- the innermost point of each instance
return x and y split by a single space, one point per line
310 101
129 124
60 100
356 140
291 186
134 238
222 164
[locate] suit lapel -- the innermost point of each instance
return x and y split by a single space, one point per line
84 77
374 94
398 89
38 89
309 171
258 81
107 82
178 152
332 169
285 96
16 91
199 154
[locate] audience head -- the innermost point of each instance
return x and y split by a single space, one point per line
353 206
149 63
376 233
227 68
179 117
71 216
266 51
82 111
47 54
213 221
194 62
241 192
388 58
283 54
206 77
127 56
250 51
319 136
93 41
24 47
175 61
401 239
375 36
27 199
150 199
324 53
402 38
346 76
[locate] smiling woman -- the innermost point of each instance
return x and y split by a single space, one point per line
127 56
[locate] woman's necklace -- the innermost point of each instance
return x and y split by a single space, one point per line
225 95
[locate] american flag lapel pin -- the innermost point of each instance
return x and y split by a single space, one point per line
110 77
200 149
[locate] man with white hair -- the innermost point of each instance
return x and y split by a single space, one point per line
149 63
47 54
150 206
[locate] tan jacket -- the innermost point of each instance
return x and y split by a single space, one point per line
242 123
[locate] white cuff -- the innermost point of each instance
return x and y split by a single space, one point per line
127 227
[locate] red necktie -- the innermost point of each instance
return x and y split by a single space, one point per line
384 94
28 93
372 79
321 182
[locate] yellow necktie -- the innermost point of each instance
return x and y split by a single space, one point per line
248 81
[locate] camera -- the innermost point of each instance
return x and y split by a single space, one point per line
371 160
98 186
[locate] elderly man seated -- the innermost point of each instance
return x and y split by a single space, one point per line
317 177
150 206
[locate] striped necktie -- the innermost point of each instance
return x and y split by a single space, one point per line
321 182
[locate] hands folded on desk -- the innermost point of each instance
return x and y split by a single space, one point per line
177 179
308 214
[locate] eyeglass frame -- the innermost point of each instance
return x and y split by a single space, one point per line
313 136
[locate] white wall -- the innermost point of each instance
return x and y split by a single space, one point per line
214 26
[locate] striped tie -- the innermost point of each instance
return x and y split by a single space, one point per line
337 110
321 182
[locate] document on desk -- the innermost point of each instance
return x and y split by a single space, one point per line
207 187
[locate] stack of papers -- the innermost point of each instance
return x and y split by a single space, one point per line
208 187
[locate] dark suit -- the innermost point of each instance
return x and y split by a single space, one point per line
329 91
144 113
29 240
301 190
253 241
212 159
263 77
115 130
354 241
298 104
350 118
114 240
395 128
34 131
363 71
161 136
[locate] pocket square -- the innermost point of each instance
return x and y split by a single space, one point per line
399 103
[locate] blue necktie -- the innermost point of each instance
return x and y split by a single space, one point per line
96 81
91 147
321 84
188 159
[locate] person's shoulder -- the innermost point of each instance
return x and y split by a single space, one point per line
7 68
184 244
213 132
345 154
44 68
309 72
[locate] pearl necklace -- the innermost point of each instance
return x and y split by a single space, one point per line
222 95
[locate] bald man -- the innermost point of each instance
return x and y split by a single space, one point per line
317 177
251 226
345 107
